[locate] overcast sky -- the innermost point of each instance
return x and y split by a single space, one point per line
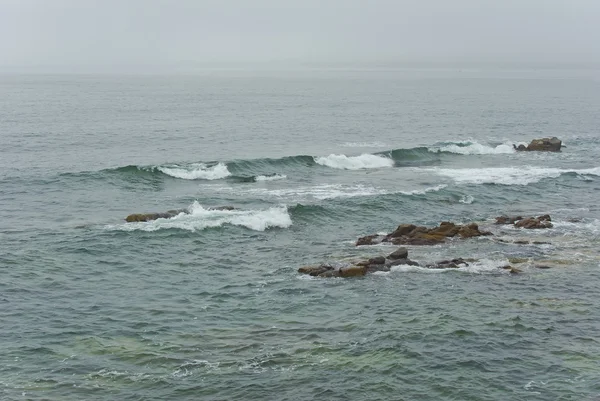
172 33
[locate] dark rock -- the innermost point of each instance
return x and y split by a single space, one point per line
507 219
403 229
514 270
368 240
520 148
330 273
449 264
540 243
378 268
545 217
543 267
404 261
378 260
400 253
521 242
222 208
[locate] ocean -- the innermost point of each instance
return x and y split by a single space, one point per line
209 304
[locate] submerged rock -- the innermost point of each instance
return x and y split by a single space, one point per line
541 145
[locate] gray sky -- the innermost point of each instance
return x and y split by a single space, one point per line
163 34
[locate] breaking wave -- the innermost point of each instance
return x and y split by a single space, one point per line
200 218
364 161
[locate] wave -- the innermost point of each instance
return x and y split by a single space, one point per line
200 218
364 161
473 148
363 145
523 175
323 192
272 177
196 171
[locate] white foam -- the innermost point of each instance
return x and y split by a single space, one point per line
197 171
481 266
364 145
523 175
424 191
320 192
200 218
273 177
475 148
364 161
467 199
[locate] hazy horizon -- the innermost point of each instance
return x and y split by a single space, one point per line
162 36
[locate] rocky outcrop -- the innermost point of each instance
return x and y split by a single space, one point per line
144 217
526 222
541 145
410 234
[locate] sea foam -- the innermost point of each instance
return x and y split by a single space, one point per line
523 175
475 148
196 171
200 218
364 161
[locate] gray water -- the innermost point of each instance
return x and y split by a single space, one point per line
209 305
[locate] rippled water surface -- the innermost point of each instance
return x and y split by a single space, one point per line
209 305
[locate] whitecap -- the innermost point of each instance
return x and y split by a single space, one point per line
467 199
200 218
522 175
424 191
364 145
196 171
273 177
364 161
475 148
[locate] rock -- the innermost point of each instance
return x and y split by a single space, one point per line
315 270
545 217
518 260
445 229
520 148
144 217
353 271
545 145
507 219
330 273
368 240
533 223
227 208
449 264
378 260
403 229
543 267
378 268
521 242
404 261
514 270
400 253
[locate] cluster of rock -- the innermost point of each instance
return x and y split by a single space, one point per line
526 222
381 264
143 217
410 234
542 145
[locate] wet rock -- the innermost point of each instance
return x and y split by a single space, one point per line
533 223
521 242
545 145
378 268
514 270
227 208
144 217
507 219
353 271
315 270
403 229
369 240
449 264
471 230
378 260
330 273
398 262
518 260
543 267
520 148
400 253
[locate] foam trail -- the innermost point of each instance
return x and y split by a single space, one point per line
200 218
508 175
364 161
475 148
273 177
197 171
